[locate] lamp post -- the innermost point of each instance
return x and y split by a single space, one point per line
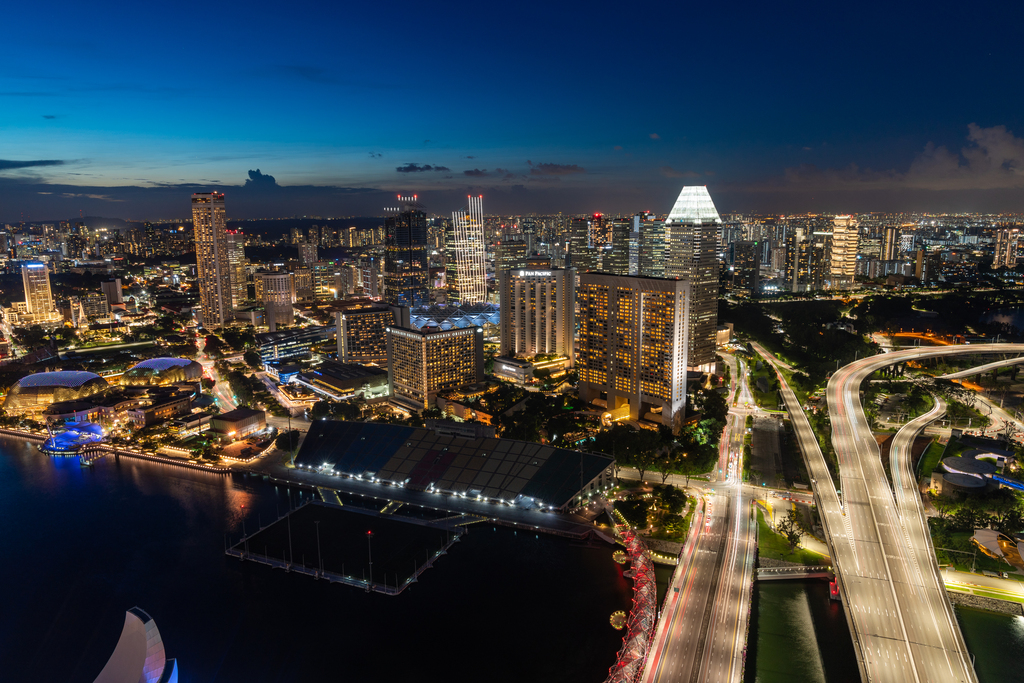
369 553
319 558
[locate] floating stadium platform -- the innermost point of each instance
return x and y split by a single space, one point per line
527 475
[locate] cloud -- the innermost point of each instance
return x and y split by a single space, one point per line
257 179
375 155
476 173
655 136
8 164
313 74
49 116
554 169
992 159
469 157
670 172
417 168
617 148
87 195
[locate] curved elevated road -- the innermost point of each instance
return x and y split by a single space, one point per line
982 369
903 622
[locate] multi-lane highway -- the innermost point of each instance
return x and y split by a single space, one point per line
902 618
701 635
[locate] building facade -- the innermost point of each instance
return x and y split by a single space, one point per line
845 238
1006 248
236 267
538 312
406 259
362 334
746 274
212 265
422 362
276 291
692 229
466 254
35 277
633 346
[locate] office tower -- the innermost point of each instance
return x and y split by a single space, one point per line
296 236
422 362
580 252
236 267
35 277
890 244
307 254
746 274
845 236
692 231
617 259
528 228
112 291
466 254
212 267
276 291
406 266
633 343
325 280
303 283
362 332
1006 248
510 253
538 312
653 246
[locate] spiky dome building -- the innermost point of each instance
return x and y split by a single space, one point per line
162 371
35 393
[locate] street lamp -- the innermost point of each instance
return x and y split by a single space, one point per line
369 553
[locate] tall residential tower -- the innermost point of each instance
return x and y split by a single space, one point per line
212 265
466 255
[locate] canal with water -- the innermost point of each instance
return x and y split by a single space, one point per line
82 545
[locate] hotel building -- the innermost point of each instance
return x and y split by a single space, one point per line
422 362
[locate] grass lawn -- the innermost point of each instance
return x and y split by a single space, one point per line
776 547
930 459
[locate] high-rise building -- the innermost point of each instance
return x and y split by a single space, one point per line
421 363
806 261
692 227
296 236
633 345
325 280
616 259
1006 248
276 291
35 277
582 253
212 266
890 244
406 265
307 253
653 245
746 274
236 265
112 291
466 254
510 253
538 312
845 236
362 332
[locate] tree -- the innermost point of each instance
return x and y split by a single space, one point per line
320 410
287 441
252 359
643 462
207 383
790 528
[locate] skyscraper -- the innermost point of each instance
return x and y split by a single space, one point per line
236 266
617 259
890 244
510 253
746 274
633 345
845 237
466 255
112 291
212 266
35 277
276 291
307 254
538 312
1006 248
423 362
406 265
583 254
692 231
652 243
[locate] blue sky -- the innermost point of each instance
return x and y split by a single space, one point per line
575 107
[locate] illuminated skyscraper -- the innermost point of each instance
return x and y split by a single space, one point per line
538 311
466 253
1006 248
845 238
236 264
890 244
746 264
423 362
632 345
406 265
276 291
212 266
307 254
38 299
692 232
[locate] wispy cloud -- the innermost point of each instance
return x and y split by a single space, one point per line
417 168
8 164
670 172
655 136
554 169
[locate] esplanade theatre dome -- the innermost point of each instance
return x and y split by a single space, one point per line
157 371
36 392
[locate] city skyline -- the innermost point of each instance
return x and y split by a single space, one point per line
823 110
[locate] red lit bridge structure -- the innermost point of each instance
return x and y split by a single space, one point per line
629 663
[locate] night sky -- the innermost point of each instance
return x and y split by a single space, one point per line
123 109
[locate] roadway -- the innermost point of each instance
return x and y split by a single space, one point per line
982 369
702 632
903 623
